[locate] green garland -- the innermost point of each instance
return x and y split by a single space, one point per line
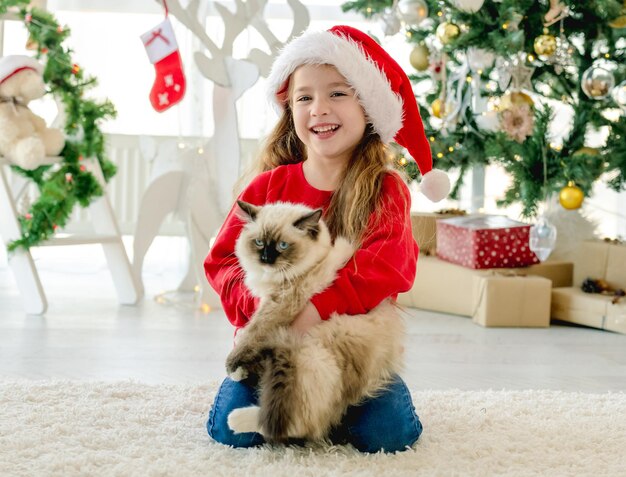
466 145
62 186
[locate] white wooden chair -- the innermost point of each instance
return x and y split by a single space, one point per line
106 233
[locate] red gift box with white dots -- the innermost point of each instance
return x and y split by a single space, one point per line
484 241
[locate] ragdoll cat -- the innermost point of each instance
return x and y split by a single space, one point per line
305 383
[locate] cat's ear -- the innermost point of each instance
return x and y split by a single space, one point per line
249 210
309 221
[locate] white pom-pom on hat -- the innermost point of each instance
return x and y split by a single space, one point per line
435 185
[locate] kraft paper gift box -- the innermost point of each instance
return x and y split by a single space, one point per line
425 231
440 286
512 301
424 226
616 317
484 241
596 260
448 288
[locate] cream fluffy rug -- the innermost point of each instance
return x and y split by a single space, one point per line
76 428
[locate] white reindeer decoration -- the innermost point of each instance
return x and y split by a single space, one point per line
200 192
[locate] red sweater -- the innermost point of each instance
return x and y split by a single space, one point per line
384 266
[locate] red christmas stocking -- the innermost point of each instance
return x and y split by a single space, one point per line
162 49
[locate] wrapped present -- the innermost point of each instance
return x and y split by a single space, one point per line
512 300
484 241
424 225
448 288
597 260
441 286
573 305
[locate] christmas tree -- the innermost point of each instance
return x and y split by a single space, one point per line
498 72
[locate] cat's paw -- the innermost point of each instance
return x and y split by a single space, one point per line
343 249
238 374
244 363
244 419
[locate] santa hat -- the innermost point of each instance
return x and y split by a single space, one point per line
12 64
383 89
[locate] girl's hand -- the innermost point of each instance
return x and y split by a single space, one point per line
307 319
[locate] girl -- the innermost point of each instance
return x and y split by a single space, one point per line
342 99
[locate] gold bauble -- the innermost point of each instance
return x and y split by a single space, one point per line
589 151
438 108
545 45
419 57
619 22
447 32
514 98
571 197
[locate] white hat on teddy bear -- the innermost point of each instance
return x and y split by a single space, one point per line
10 65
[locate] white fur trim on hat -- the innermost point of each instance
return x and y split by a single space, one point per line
382 106
10 64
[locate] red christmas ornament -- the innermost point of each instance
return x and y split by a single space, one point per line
75 69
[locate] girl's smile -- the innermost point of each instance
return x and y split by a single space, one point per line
325 130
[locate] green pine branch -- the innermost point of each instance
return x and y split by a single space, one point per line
62 187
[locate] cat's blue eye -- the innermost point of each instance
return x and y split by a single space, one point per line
258 242
283 245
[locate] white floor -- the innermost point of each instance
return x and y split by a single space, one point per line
86 335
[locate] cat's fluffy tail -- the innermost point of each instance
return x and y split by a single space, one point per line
277 399
300 393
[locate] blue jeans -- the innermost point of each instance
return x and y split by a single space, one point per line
387 422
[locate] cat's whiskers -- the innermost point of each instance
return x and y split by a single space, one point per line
238 277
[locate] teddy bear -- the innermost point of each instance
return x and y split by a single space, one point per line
25 140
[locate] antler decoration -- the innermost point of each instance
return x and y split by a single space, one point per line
246 14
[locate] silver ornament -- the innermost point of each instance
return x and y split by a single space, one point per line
597 82
412 12
469 6
619 95
542 237
479 58
390 22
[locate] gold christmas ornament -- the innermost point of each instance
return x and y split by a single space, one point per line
419 57
514 98
447 32
571 197
545 45
619 22
589 151
438 108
